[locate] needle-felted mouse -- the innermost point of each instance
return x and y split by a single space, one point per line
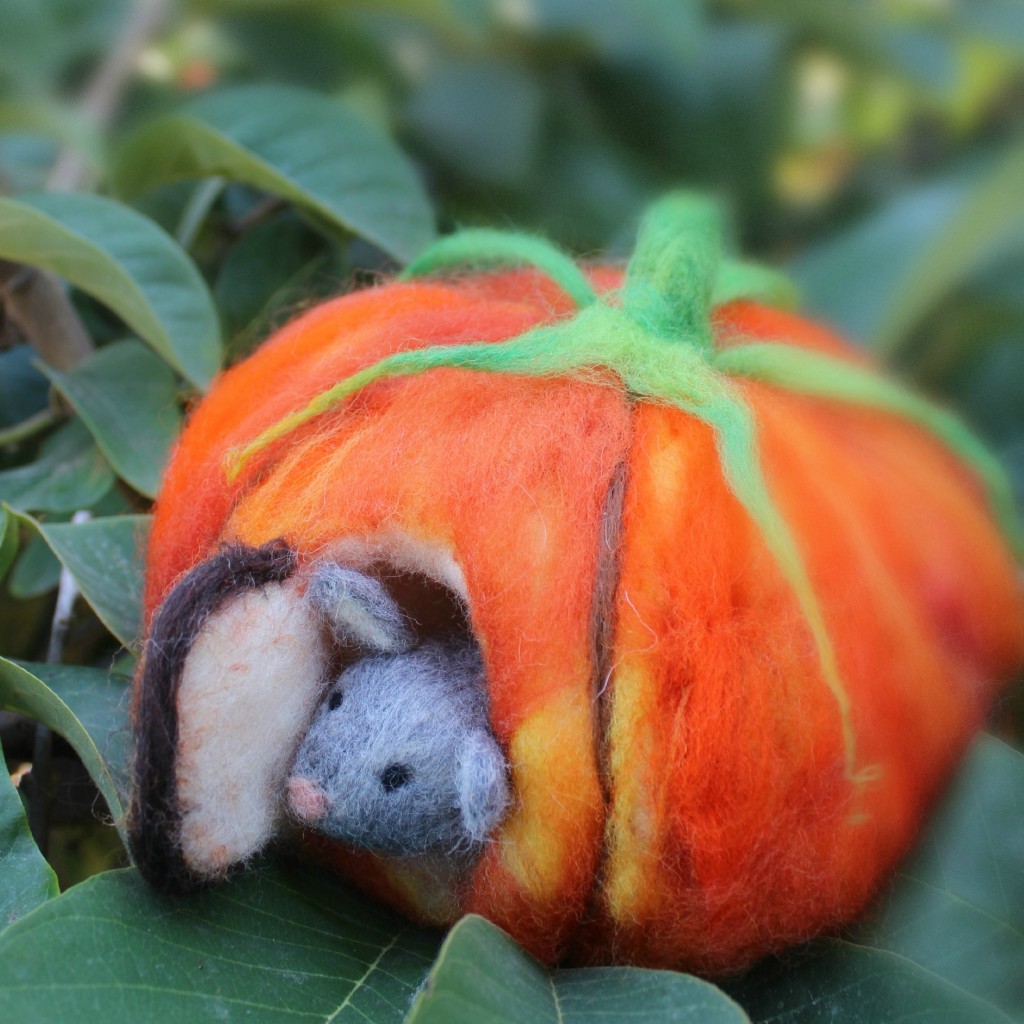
399 756
673 610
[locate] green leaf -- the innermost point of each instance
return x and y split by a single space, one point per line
25 693
957 907
23 389
99 699
26 880
126 262
69 474
989 214
482 976
844 983
105 557
36 572
452 114
273 945
28 33
8 540
844 279
49 118
622 30
126 396
931 239
295 144
265 260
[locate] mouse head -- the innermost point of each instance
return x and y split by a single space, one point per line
399 757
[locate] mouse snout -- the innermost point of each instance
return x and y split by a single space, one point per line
307 801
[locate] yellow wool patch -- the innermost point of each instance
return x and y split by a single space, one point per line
538 840
631 829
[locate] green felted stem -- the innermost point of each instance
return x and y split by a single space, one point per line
480 247
812 373
671 276
544 351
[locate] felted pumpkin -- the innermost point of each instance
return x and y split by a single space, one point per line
740 601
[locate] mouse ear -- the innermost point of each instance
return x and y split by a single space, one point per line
360 611
483 785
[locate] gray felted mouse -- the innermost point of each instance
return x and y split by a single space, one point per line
399 757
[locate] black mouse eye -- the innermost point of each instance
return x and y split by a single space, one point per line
335 701
395 776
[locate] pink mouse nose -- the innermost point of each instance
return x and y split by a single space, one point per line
306 799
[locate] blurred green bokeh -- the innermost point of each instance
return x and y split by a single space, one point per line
848 137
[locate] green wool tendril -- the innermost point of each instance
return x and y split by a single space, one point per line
481 247
657 341
738 279
812 373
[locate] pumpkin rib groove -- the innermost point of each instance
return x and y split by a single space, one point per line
603 615
606 583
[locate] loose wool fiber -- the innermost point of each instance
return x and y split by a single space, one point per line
690 787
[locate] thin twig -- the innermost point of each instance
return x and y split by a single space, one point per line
102 96
42 748
28 427
35 299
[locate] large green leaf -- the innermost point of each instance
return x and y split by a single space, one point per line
877 280
125 261
36 572
23 389
452 116
105 557
273 268
273 945
303 147
483 977
99 700
26 880
8 541
957 906
24 692
126 396
69 474
844 983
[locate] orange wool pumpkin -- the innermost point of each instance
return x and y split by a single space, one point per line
726 690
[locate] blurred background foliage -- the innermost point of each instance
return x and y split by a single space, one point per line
876 146
872 148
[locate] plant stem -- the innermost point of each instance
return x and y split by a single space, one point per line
36 300
42 747
102 96
38 303
28 427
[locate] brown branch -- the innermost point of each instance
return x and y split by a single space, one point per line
39 305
